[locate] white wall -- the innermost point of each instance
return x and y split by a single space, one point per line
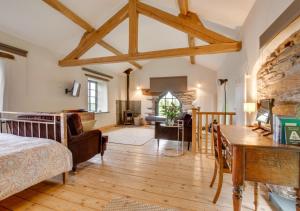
37 83
250 59
196 74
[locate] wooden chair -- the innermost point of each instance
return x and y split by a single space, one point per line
223 163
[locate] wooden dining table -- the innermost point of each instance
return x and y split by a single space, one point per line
257 158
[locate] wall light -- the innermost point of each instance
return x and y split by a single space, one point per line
198 85
138 88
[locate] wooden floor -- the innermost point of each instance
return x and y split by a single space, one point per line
140 173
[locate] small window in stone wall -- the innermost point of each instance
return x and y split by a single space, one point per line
167 100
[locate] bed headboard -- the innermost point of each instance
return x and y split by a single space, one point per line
41 125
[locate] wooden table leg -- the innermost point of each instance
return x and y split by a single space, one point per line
298 199
256 196
238 176
237 196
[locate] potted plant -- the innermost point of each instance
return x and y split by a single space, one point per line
170 112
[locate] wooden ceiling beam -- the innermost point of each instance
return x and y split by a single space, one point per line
133 28
6 55
191 41
13 50
193 17
118 53
64 10
183 6
186 14
97 72
98 34
57 5
184 11
198 50
182 24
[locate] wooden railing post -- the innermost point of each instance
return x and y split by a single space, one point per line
200 139
194 116
212 134
197 136
231 119
206 132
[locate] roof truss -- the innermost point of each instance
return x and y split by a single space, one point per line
186 22
64 10
185 13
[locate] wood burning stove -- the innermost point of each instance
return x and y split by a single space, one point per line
127 115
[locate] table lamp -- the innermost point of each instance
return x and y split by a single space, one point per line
249 108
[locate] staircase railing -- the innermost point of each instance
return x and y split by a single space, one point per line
202 134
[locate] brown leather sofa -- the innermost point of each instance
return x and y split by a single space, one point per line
171 133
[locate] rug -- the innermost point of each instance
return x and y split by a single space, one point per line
131 136
124 204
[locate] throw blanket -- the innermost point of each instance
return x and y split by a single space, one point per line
26 161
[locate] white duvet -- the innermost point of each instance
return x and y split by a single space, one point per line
26 161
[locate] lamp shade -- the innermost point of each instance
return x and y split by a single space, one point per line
249 107
222 81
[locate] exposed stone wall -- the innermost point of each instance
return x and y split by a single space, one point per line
279 77
186 99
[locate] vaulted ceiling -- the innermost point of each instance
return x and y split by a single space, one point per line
36 22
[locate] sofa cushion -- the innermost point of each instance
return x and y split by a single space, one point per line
181 116
187 119
74 124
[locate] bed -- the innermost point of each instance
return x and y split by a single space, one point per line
31 151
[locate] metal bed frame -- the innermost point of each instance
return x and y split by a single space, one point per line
7 117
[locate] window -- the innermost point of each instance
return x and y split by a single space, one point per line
97 96
166 100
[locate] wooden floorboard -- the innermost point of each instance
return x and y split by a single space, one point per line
141 173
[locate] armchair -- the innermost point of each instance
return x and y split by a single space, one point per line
83 145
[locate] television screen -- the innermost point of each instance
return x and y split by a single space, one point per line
76 89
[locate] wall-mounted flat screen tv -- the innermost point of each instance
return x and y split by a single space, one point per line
76 89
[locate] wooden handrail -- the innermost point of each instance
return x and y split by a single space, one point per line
201 122
216 113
